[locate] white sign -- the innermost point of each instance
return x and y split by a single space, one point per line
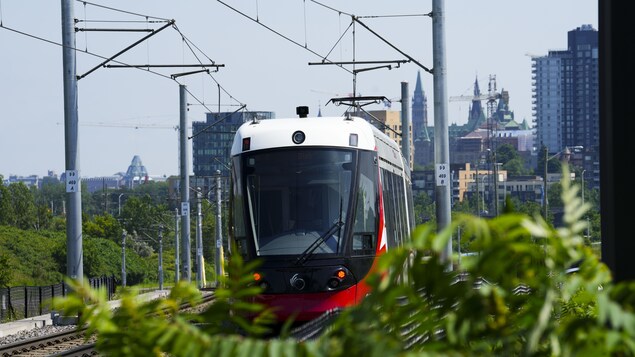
72 181
185 209
443 174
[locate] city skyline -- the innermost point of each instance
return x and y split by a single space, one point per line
263 70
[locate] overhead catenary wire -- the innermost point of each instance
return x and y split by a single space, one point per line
256 20
124 11
356 19
113 60
189 43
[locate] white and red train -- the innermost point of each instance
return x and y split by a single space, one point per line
317 200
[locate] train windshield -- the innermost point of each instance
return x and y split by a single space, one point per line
297 200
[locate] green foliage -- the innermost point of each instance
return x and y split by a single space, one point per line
155 327
39 258
102 257
141 214
6 273
6 208
424 208
234 311
102 226
516 296
31 255
23 206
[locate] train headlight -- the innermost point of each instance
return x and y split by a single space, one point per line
298 137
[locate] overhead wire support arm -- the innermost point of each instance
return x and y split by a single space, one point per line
352 100
356 19
386 64
359 62
80 29
162 65
154 32
176 75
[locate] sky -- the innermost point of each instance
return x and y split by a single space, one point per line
268 51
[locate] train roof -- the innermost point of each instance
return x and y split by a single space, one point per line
318 131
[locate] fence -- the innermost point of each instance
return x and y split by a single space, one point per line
22 302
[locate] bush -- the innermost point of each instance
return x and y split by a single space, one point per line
518 296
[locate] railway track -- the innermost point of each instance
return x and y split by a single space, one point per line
68 343
74 342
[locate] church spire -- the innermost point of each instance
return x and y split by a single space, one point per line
419 110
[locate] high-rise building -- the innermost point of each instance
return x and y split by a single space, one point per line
566 99
212 141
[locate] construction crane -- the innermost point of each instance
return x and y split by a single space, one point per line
491 97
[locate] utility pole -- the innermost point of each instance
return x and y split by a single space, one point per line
160 257
185 187
123 258
478 189
74 260
441 136
176 246
199 240
495 185
219 231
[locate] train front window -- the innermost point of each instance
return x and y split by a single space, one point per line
294 197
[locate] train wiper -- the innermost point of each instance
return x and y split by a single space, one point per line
319 241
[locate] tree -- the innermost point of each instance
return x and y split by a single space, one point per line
553 165
102 226
424 208
6 206
506 153
23 206
142 214
51 194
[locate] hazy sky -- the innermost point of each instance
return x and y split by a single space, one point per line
127 112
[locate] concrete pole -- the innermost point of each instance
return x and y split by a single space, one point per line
441 136
478 188
186 257
199 240
405 122
176 246
219 230
495 185
123 258
160 257
74 258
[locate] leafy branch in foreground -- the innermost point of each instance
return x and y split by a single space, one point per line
516 296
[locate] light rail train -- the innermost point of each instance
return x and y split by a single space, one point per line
317 200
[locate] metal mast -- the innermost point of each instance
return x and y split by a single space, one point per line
441 135
74 260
